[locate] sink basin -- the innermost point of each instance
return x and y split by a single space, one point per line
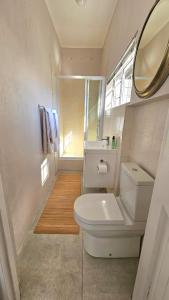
97 146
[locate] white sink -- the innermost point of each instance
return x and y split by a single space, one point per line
98 146
95 145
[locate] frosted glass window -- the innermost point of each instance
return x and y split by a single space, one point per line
44 171
118 90
117 86
108 99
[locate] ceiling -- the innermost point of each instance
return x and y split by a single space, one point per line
81 27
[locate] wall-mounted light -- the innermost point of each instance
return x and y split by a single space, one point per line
81 2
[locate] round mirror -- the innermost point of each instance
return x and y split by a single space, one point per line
151 66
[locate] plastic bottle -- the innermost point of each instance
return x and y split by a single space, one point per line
114 142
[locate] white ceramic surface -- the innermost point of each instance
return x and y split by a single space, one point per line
136 188
97 145
113 227
98 209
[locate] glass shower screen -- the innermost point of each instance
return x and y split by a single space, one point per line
81 112
94 106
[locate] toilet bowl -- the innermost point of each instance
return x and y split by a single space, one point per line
112 227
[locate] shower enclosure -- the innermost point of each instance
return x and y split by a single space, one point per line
81 112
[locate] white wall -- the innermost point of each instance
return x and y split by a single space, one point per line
113 123
128 17
143 133
30 59
81 61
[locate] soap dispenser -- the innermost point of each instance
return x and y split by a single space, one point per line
114 142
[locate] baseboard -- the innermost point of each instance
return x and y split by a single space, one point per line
70 164
36 218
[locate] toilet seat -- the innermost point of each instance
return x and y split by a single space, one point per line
101 209
90 214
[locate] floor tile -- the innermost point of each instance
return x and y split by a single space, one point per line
108 278
55 267
50 268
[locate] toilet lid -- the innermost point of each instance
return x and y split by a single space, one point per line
98 209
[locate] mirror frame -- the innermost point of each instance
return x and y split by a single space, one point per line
163 70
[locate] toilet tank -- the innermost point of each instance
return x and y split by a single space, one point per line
136 188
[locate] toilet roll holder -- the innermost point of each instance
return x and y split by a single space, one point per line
102 161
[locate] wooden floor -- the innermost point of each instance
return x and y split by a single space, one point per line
57 216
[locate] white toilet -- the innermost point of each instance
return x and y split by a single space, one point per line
113 227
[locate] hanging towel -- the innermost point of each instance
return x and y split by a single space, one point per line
55 125
46 131
49 128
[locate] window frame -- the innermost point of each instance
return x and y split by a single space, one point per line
126 61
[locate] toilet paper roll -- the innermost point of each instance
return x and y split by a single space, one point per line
102 168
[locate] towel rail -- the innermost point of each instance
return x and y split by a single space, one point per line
51 110
40 106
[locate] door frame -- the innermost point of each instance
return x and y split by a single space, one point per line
155 239
9 283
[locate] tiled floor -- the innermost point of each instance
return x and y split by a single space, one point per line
55 267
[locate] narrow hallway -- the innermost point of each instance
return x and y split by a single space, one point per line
84 140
